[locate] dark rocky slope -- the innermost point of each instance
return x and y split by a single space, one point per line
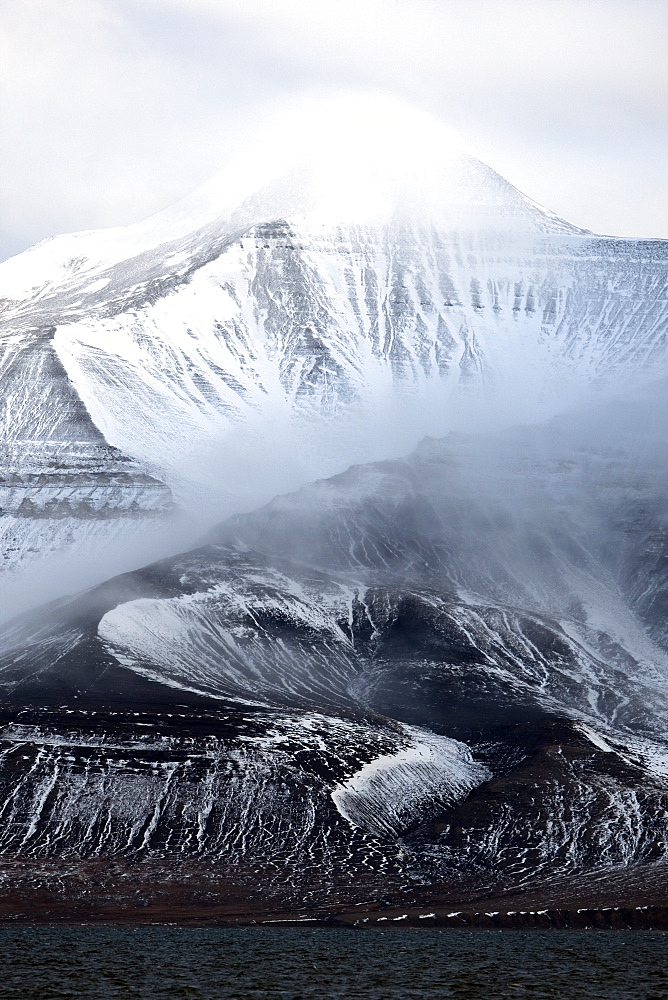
429 685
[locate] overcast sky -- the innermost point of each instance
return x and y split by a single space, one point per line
113 109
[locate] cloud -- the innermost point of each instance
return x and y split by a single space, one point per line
112 109
102 123
567 99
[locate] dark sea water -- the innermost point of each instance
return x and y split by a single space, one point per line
172 963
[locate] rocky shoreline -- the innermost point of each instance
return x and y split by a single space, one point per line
113 891
618 918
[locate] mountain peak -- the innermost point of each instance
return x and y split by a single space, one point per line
356 160
364 160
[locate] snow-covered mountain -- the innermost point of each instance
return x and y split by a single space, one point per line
440 677
339 293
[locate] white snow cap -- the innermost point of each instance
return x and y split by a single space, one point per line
360 160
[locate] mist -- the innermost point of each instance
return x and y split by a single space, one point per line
505 438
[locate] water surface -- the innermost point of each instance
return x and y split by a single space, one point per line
176 963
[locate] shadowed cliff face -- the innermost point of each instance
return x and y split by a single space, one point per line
63 488
447 670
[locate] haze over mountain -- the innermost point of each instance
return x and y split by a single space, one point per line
355 282
362 682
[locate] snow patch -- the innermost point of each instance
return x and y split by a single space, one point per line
393 792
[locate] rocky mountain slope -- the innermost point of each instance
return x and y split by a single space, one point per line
434 678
